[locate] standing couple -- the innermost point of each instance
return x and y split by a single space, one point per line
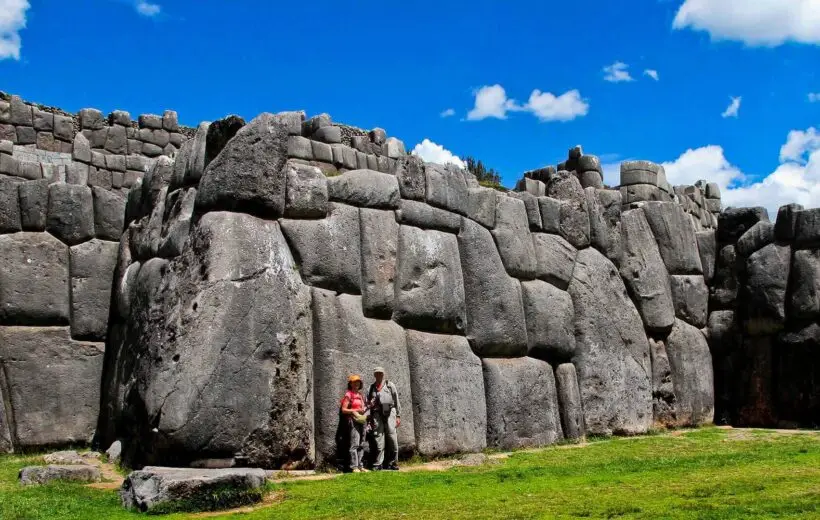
379 415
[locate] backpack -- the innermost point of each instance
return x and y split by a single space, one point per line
373 393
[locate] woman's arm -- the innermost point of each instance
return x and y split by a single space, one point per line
346 410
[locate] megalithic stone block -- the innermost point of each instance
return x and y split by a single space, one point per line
569 400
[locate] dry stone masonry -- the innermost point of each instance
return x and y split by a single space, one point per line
214 311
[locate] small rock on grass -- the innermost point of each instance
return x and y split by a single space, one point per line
33 475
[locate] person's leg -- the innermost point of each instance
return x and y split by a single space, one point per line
360 428
392 438
378 436
355 446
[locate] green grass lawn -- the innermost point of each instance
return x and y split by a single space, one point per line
708 473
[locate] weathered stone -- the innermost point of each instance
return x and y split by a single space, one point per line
26 135
707 250
315 123
513 239
573 215
249 174
68 457
733 222
550 214
198 155
555 259
804 303
321 151
807 229
446 188
448 394
522 403
365 188
9 206
691 365
8 133
100 177
328 134
70 213
33 197
550 321
327 251
91 268
343 156
53 383
612 352
146 234
82 149
114 453
116 141
423 215
691 298
768 276
663 390
675 237
307 191
150 121
393 148
115 163
216 380
212 141
569 401
293 121
429 289
21 113
380 242
345 342
38 475
591 179
639 193
170 121
642 172
786 224
532 207
43 121
495 314
34 280
644 273
481 204
724 285
109 214
534 187
165 490
755 238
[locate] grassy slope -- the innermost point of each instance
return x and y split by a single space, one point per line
710 473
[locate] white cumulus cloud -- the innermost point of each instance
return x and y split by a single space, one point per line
617 72
796 179
753 22
652 74
435 153
147 9
448 113
814 97
12 21
733 108
492 101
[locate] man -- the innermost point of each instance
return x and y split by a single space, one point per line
383 400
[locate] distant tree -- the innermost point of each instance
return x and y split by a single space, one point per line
486 176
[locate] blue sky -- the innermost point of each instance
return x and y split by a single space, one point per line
400 65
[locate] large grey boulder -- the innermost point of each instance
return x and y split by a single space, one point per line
327 251
9 205
522 403
38 475
675 237
663 389
429 288
612 353
53 383
34 286
33 197
176 226
767 280
604 221
707 249
724 286
644 273
146 235
481 203
92 271
573 215
733 222
346 342
512 236
755 238
221 377
380 245
691 298
248 175
786 224
555 259
495 313
446 188
365 188
161 490
70 213
410 172
550 321
691 365
306 193
531 204
550 214
569 401
804 303
807 229
425 216
109 214
448 394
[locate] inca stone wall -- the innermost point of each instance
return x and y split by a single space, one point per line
763 320
63 183
257 265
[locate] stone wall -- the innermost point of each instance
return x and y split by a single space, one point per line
270 260
763 320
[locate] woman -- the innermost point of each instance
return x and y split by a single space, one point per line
353 408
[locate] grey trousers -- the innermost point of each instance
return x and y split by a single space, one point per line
384 433
356 446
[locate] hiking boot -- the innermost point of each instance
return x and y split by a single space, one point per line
356 470
364 470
